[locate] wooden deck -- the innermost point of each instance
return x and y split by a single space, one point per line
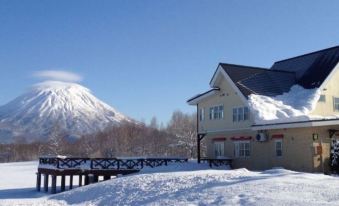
89 170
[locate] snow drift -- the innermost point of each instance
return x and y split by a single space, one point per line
184 184
55 105
294 105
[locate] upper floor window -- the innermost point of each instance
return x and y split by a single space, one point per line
201 114
217 112
240 114
322 98
336 103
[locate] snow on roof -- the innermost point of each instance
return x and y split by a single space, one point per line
294 105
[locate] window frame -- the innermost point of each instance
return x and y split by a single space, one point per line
278 149
242 149
219 145
235 114
201 114
335 104
240 114
216 112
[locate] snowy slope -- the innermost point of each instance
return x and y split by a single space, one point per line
189 184
55 105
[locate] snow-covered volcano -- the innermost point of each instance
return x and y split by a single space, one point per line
55 105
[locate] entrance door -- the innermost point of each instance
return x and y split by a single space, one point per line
219 149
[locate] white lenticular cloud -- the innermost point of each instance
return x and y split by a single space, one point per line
58 75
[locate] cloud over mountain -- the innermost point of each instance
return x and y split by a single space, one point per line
58 75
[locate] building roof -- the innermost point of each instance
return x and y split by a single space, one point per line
311 69
308 70
254 80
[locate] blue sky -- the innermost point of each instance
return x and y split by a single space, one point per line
146 58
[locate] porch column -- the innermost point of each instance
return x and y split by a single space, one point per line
199 138
198 148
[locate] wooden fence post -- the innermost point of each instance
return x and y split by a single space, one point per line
63 177
38 181
46 182
71 182
54 181
80 180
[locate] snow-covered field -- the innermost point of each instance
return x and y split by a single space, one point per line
187 184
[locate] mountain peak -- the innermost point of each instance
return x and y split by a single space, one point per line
57 85
70 107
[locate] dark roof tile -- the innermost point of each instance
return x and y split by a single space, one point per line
252 80
311 69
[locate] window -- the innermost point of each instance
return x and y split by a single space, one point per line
240 114
278 148
322 98
201 114
242 149
217 112
246 113
336 103
235 114
219 149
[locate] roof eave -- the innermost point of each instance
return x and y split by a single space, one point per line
196 99
219 71
301 124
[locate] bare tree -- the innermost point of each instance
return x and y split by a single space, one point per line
183 126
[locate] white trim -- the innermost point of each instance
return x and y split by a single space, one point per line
228 130
197 100
314 123
229 80
329 77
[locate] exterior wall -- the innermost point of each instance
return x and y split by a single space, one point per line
331 89
298 149
229 99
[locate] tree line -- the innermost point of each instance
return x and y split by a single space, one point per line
176 139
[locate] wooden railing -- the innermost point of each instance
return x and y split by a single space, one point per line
106 163
219 162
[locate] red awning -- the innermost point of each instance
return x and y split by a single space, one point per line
277 136
239 138
219 139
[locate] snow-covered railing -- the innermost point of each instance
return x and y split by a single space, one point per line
106 163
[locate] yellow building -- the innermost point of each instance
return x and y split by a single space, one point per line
285 116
